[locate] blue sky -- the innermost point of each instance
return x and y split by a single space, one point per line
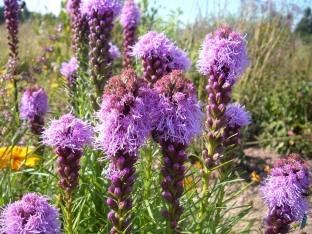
190 8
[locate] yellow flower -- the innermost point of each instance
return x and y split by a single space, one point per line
2 71
255 177
10 86
44 67
267 169
18 156
54 85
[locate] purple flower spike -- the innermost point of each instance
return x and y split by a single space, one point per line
124 124
237 116
130 15
160 56
33 106
130 19
283 193
226 50
114 51
177 119
69 70
68 134
222 58
11 8
72 8
100 15
31 214
113 54
34 102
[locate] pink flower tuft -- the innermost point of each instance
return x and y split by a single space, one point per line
67 131
100 6
157 45
227 51
130 15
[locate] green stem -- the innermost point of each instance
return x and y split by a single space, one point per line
219 205
15 95
148 171
204 196
69 216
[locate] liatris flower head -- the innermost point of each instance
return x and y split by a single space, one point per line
223 52
113 51
130 15
157 45
124 119
69 69
31 214
17 156
69 132
283 193
34 102
101 7
237 115
178 115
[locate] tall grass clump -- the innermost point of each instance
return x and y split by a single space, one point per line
147 143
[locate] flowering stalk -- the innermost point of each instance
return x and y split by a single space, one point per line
237 118
113 54
222 58
31 214
68 134
100 15
159 56
177 119
283 193
34 105
11 15
69 70
130 18
124 125
80 31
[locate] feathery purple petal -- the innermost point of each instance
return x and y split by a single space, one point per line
226 50
100 6
31 214
67 131
157 45
69 68
237 115
130 15
33 102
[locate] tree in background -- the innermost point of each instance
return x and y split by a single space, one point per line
304 27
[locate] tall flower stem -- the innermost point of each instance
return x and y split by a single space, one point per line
15 88
177 121
222 58
11 15
100 15
68 134
148 156
129 19
69 215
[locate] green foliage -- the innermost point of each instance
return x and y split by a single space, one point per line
276 89
304 27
